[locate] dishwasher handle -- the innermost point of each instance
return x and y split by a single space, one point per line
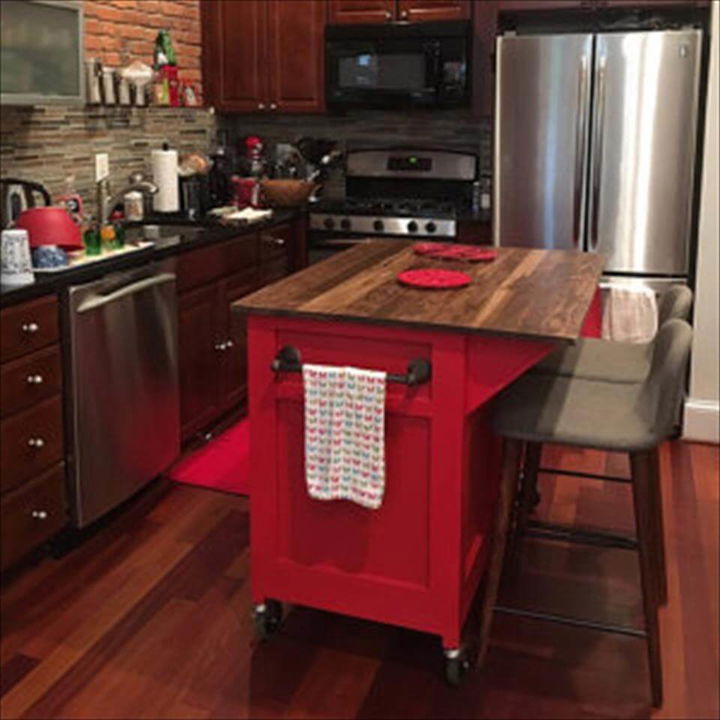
96 301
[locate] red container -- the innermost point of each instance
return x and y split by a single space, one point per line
50 226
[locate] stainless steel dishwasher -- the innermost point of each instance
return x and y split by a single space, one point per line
125 416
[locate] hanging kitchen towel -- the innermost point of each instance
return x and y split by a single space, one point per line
345 434
630 314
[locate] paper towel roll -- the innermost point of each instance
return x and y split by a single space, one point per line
165 176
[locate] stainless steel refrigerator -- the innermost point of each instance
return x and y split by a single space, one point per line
595 146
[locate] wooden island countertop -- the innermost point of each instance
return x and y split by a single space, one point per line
531 293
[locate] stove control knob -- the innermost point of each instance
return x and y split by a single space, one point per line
345 224
412 226
379 225
329 223
431 227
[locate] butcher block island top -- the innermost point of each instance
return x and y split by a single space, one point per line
536 293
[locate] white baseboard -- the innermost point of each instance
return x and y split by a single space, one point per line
702 421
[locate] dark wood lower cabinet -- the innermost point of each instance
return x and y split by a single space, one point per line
212 340
197 338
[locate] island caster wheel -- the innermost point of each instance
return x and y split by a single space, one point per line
458 663
267 617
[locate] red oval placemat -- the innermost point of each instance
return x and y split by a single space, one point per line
434 279
455 251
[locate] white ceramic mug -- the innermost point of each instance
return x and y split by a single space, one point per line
16 262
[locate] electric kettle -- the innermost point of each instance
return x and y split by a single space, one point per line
17 196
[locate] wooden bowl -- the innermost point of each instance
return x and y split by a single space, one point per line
286 193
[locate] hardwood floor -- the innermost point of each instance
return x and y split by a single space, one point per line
151 618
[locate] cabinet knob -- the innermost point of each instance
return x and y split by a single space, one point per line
36 442
30 328
34 379
270 240
229 343
261 106
39 514
221 347
273 106
404 14
388 15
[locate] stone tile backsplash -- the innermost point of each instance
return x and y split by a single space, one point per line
46 144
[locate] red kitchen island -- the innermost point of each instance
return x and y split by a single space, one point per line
418 559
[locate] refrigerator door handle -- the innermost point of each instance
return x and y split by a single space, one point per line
581 151
598 131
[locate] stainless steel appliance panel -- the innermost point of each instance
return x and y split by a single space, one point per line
126 419
646 95
541 136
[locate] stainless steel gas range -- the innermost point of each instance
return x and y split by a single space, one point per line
399 192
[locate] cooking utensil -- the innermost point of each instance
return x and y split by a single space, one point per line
286 193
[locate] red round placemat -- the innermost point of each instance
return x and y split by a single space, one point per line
454 251
433 278
428 248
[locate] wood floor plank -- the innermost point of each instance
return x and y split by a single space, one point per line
152 618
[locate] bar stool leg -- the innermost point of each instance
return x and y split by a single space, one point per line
508 485
526 498
659 554
642 485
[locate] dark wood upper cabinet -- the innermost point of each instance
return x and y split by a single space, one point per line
264 55
234 54
295 55
361 11
433 10
380 11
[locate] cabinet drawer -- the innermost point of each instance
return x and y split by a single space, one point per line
28 327
199 267
276 243
30 379
30 441
32 514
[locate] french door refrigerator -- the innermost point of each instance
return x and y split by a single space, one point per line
595 146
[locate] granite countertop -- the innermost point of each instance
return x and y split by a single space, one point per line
539 294
175 239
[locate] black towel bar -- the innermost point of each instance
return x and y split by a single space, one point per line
418 372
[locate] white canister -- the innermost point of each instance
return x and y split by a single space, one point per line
16 262
133 206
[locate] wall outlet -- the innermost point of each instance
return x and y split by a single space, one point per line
102 166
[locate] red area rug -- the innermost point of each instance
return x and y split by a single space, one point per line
223 464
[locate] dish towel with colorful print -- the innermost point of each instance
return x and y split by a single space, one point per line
345 434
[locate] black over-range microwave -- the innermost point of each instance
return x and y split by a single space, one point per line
398 64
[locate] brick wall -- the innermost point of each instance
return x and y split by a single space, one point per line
48 143
120 31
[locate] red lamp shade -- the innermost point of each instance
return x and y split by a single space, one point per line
50 226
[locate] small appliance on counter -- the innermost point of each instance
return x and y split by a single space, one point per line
19 195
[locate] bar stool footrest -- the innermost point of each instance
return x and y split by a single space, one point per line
573 621
553 531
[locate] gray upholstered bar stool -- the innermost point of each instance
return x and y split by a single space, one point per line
595 359
618 417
